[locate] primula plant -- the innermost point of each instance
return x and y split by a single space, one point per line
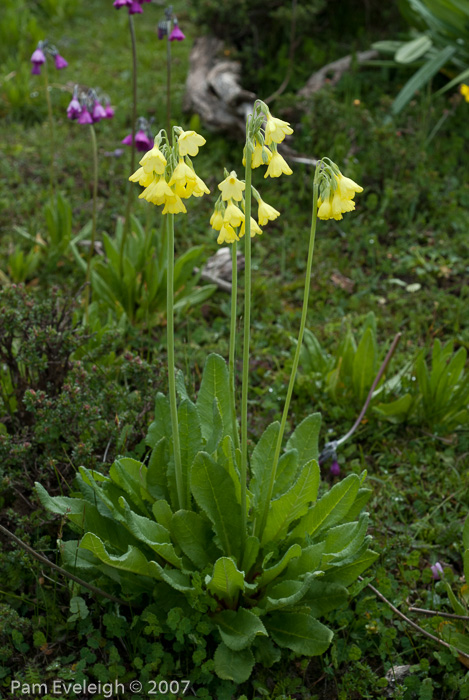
247 538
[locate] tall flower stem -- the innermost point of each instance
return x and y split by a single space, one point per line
231 360
94 148
168 82
168 220
296 358
246 336
130 193
51 130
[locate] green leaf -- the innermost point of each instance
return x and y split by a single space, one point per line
412 50
239 628
422 77
133 560
287 470
251 550
322 597
162 513
217 429
330 509
190 439
161 426
214 385
396 411
262 460
464 75
465 535
313 357
130 475
273 572
157 480
309 560
233 665
215 493
298 632
304 439
348 574
292 504
285 593
152 534
364 365
265 651
193 534
226 581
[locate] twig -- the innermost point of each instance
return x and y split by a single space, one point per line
395 610
452 616
43 560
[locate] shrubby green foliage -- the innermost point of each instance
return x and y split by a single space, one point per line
262 591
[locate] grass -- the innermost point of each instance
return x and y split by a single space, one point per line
404 253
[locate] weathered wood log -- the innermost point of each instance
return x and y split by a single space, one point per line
337 69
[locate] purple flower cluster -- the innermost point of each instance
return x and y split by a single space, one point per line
39 57
164 27
88 109
134 6
143 137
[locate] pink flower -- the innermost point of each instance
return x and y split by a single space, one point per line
98 112
176 34
127 141
135 8
142 142
122 3
37 59
335 468
60 62
74 109
437 571
85 117
109 111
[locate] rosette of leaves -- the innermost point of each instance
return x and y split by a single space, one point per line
263 590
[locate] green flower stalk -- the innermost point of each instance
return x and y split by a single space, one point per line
94 148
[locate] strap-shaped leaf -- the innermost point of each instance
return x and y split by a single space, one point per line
421 77
309 560
293 504
348 574
152 534
412 50
133 560
161 426
194 535
395 411
465 536
274 571
262 459
305 437
156 477
329 510
239 628
226 581
190 439
162 513
251 551
299 632
217 432
214 385
233 665
364 365
323 597
130 475
215 493
285 593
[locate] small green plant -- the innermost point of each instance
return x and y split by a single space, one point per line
261 552
136 286
437 396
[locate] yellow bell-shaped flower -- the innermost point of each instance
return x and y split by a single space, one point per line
278 166
231 188
266 212
153 161
276 130
189 143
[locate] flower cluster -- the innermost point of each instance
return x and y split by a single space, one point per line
336 192
167 173
169 27
228 216
464 90
86 108
273 133
134 6
143 139
39 57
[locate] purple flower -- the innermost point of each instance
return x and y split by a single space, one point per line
335 468
37 59
176 34
109 111
60 62
135 8
98 112
127 141
85 117
142 142
437 571
74 109
121 3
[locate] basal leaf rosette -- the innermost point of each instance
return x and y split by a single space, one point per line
261 593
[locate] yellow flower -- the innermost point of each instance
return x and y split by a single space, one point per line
254 228
233 215
266 213
277 166
174 205
227 234
464 89
257 159
231 188
347 187
142 177
339 206
154 160
189 143
158 192
216 220
183 174
324 209
276 130
200 187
